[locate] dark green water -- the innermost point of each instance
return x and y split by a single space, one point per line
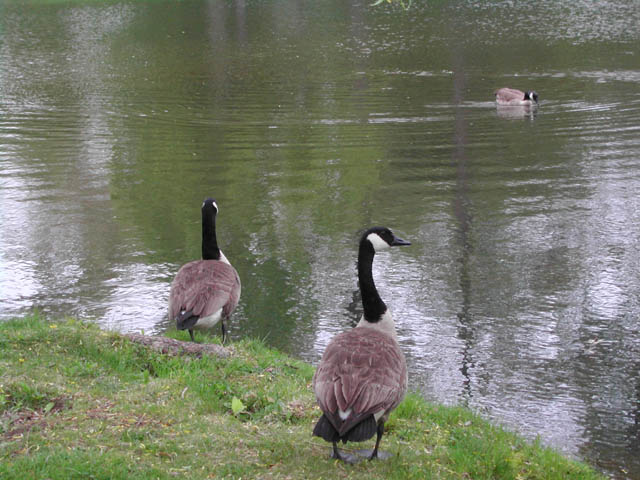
310 121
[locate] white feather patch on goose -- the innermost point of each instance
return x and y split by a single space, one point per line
384 325
377 242
223 258
208 322
344 415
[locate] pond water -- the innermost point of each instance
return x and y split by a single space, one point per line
311 121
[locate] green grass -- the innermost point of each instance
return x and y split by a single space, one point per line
78 402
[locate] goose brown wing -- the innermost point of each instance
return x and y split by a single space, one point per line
362 371
234 293
509 94
204 287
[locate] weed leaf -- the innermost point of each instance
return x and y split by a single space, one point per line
237 406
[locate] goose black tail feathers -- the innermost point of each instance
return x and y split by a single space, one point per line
186 320
362 431
325 430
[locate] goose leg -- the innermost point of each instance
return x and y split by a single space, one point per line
224 333
380 431
191 333
375 453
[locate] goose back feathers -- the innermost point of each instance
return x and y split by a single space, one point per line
203 288
363 374
512 96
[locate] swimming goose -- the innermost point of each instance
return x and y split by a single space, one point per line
362 376
511 96
205 291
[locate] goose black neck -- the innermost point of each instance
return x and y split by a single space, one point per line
210 250
373 305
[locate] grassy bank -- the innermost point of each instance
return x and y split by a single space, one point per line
78 402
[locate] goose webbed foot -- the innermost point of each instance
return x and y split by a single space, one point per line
370 454
375 453
345 457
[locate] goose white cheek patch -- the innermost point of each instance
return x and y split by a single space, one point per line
377 242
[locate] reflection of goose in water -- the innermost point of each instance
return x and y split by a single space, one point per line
354 309
511 96
516 112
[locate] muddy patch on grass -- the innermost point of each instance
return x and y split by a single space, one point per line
15 423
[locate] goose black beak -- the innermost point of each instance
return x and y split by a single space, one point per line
397 242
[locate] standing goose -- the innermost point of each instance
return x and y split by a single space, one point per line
362 376
205 291
511 96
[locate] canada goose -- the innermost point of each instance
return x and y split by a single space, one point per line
511 96
205 291
362 375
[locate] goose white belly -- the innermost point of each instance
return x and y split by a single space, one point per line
211 321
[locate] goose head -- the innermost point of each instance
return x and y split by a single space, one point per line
209 207
532 95
374 240
382 238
